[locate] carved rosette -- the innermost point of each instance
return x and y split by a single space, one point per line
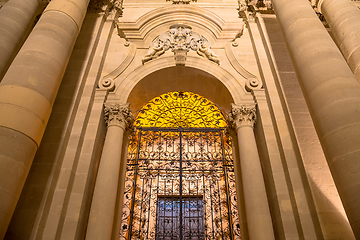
106 84
242 115
119 115
253 84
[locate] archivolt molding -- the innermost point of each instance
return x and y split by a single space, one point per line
152 24
127 83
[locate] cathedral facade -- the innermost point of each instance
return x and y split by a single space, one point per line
179 119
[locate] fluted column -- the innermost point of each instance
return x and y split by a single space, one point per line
16 19
242 118
343 18
102 213
332 94
27 93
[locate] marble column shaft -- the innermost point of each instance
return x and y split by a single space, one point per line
103 204
27 93
16 20
343 18
332 94
257 209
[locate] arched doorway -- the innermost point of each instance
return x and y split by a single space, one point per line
180 181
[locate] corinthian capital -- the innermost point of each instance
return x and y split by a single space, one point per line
242 115
120 115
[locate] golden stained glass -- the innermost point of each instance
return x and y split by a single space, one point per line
180 109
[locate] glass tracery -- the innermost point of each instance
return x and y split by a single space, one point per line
180 181
180 109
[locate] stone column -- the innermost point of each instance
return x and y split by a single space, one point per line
332 94
242 118
16 20
343 18
102 213
27 93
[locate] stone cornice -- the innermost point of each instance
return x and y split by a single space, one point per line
242 115
119 115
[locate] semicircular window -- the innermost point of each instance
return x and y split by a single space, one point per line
180 110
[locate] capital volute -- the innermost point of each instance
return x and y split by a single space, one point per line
118 115
242 115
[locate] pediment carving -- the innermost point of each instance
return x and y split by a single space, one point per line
180 39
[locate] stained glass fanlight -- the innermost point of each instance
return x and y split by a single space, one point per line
180 110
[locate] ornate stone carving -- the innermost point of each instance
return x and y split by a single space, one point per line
246 11
120 115
181 1
107 6
180 39
205 51
242 115
248 8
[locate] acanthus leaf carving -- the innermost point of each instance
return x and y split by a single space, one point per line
242 115
120 115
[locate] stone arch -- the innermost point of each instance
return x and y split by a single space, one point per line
129 88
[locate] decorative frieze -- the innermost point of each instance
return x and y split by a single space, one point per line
242 115
120 115
180 39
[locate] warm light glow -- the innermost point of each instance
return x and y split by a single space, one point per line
180 109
